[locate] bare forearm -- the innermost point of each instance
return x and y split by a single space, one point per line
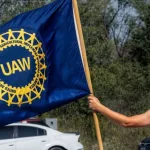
133 121
118 118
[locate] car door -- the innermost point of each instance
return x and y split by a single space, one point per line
31 138
7 141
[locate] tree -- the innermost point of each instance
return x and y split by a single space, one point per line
140 41
11 8
120 18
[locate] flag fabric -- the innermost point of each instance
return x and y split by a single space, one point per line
41 66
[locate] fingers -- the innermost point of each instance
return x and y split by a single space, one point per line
92 98
93 102
90 102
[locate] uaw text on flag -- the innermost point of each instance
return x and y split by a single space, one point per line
41 64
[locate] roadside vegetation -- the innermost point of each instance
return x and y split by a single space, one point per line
117 39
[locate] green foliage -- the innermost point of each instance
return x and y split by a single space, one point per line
120 70
140 42
11 8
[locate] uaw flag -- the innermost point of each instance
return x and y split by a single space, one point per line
41 66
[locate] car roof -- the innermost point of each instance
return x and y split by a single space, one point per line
35 125
28 124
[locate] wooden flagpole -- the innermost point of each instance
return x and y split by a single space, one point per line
86 67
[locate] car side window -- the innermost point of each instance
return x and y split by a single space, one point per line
41 132
25 131
6 132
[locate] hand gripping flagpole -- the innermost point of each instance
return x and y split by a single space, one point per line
86 67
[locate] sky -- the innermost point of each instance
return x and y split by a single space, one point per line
123 14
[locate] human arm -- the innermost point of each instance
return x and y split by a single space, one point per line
125 121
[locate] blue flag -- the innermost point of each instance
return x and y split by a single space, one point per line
41 66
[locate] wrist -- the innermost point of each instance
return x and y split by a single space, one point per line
100 107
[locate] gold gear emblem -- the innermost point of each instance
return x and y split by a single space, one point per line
33 90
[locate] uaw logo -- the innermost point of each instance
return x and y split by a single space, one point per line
22 67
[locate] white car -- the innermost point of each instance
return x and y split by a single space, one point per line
26 136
